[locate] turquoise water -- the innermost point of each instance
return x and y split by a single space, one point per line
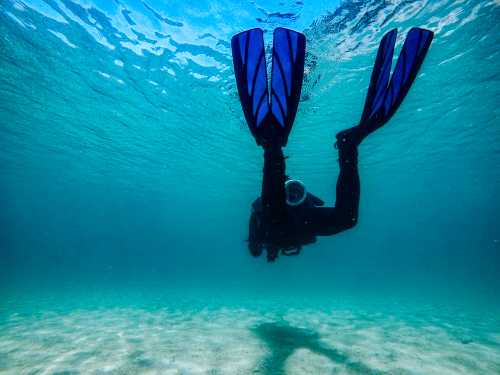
127 173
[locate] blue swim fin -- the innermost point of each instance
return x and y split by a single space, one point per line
384 97
270 120
289 50
251 77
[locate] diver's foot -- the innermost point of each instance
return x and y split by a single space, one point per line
347 143
349 138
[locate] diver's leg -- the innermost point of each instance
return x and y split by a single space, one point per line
326 221
273 182
348 185
273 197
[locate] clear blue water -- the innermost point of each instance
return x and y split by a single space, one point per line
127 173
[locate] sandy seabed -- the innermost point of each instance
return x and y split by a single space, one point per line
243 341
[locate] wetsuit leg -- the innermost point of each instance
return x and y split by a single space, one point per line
348 186
325 221
273 198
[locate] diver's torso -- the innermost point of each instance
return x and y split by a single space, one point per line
288 232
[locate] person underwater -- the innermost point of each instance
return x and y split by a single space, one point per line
286 216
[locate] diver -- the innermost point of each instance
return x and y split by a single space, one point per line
286 217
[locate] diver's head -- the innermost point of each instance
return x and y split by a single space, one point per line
295 192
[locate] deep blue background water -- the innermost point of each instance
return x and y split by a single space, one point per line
126 163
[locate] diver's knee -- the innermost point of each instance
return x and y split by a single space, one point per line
350 221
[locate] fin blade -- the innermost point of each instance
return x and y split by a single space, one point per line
410 60
251 77
384 97
286 80
380 75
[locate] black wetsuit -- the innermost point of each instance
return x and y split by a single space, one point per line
280 227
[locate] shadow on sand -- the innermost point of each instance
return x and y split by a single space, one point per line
282 340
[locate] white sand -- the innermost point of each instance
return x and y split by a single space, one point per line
239 341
